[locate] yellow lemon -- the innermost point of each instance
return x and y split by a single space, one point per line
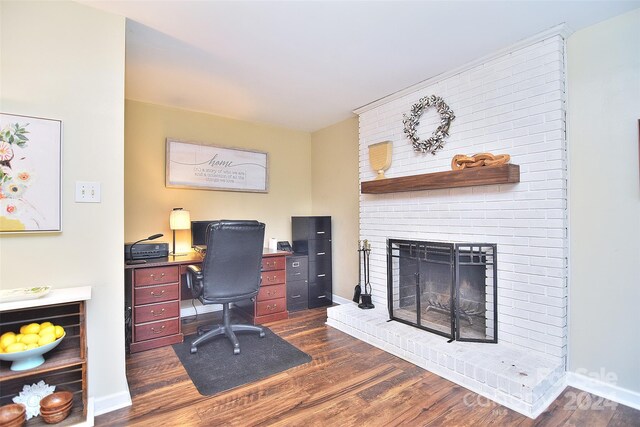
6 339
30 338
46 339
47 330
19 337
59 331
45 324
31 328
32 346
16 347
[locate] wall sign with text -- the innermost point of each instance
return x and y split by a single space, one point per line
210 167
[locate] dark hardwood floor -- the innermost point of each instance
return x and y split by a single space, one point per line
348 383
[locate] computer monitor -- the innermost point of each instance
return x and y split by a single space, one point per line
199 233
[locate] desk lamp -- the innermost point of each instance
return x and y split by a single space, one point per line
140 261
178 220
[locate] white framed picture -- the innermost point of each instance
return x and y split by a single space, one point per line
211 167
30 174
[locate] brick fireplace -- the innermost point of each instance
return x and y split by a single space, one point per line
511 102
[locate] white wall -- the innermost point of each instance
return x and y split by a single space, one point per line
604 108
510 103
65 61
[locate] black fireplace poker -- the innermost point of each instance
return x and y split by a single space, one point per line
365 297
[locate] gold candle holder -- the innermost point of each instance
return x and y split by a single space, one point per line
380 157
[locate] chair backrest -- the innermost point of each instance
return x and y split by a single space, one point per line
231 266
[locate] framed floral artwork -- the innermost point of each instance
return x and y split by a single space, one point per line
30 174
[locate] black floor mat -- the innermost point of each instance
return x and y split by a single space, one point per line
214 368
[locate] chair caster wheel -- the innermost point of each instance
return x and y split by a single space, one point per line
236 351
194 350
262 334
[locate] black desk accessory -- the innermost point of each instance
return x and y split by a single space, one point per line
284 246
140 261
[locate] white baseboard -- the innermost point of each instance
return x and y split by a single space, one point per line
112 402
609 391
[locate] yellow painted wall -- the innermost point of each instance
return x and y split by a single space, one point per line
334 154
148 202
65 61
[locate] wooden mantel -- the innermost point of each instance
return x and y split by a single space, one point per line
505 174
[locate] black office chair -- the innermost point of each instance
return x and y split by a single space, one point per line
230 272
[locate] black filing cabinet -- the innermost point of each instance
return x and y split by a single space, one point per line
297 282
312 237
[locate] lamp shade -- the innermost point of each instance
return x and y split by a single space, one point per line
179 219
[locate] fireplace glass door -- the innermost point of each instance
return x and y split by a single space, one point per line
445 288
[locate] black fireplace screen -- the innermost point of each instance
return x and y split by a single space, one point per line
446 288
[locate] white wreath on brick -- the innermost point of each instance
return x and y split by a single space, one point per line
411 122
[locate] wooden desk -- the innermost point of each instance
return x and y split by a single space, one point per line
153 292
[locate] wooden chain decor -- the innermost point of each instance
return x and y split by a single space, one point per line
462 161
411 122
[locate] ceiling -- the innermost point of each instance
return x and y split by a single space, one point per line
308 64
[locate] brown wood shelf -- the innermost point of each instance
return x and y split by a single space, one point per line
57 360
505 174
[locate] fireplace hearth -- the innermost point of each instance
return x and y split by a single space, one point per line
446 288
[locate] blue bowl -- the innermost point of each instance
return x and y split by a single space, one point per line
29 359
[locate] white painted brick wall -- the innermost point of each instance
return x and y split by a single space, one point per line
513 104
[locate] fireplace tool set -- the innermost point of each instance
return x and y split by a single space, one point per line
364 299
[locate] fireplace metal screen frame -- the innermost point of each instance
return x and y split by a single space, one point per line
466 254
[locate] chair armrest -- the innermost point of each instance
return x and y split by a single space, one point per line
194 278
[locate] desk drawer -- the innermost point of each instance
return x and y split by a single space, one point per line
264 308
157 329
273 263
156 276
273 277
154 312
272 292
151 294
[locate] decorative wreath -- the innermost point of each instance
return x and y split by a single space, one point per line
411 122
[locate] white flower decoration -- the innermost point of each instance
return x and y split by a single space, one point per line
31 395
13 190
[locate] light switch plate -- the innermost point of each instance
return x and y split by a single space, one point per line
87 192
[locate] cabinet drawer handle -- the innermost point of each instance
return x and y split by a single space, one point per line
319 232
321 275
320 253
272 278
297 273
269 293
154 331
153 276
271 264
295 264
157 295
322 296
296 296
271 308
154 314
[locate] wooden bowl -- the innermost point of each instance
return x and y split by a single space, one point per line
56 410
12 415
56 417
55 401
